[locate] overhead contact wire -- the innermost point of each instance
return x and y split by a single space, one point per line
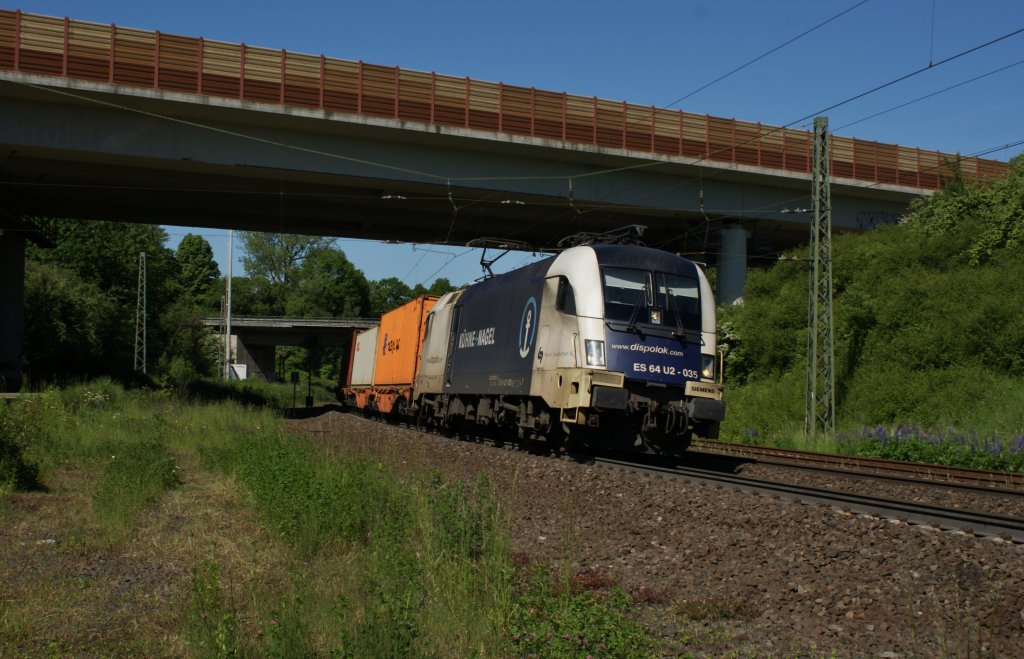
766 54
927 96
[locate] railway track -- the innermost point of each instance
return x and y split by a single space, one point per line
999 482
936 517
920 514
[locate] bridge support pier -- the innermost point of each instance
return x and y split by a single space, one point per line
12 308
259 359
732 264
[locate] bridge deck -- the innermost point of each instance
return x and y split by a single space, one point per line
45 45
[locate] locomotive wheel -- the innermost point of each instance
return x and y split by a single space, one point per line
557 441
524 438
685 439
504 433
453 425
424 417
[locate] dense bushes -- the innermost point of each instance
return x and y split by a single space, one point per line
929 322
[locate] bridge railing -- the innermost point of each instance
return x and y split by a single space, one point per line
292 321
44 45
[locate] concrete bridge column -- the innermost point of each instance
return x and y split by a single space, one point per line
12 308
732 264
259 359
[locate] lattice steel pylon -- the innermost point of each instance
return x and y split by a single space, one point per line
819 414
140 317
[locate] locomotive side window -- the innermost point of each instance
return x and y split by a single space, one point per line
626 294
679 297
565 300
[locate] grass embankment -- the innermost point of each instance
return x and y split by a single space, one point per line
141 525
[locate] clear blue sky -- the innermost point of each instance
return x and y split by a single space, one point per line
650 53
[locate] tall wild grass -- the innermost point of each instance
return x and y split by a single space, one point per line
381 563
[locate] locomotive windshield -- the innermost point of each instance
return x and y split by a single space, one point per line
642 297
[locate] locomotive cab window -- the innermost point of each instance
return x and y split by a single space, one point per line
627 294
679 298
639 297
565 300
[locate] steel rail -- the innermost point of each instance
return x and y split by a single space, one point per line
994 482
947 519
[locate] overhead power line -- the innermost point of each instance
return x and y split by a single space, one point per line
821 112
927 96
907 76
445 265
997 148
767 133
766 54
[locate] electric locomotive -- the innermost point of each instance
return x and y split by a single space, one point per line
603 343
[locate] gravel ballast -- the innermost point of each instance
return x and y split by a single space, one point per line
717 571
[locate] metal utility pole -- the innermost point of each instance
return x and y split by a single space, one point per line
227 311
819 414
140 317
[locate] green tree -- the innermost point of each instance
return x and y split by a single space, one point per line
441 286
107 255
387 294
197 270
277 256
245 297
104 256
189 342
391 292
976 219
66 322
328 285
252 296
272 262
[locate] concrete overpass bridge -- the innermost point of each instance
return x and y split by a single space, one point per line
105 122
254 339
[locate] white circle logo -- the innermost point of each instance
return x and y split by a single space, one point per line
527 327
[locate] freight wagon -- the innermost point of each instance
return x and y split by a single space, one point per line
385 358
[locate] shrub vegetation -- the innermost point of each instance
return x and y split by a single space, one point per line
929 326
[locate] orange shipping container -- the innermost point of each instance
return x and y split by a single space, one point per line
399 339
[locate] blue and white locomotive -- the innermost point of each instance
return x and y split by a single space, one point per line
605 342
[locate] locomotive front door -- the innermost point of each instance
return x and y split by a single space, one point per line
449 363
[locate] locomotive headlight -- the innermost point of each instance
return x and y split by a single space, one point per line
707 367
595 352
